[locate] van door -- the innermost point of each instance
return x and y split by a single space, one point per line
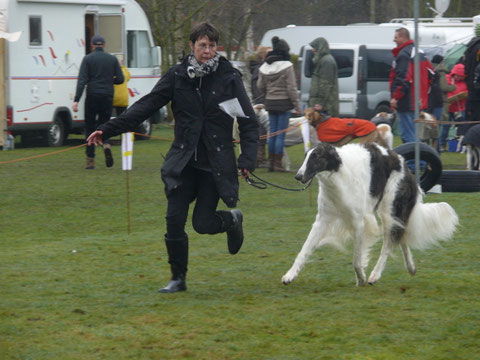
378 64
110 26
346 56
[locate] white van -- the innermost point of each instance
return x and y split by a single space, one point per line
41 68
363 56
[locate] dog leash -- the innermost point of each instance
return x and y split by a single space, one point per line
262 184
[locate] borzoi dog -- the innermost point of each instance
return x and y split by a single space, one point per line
340 131
356 183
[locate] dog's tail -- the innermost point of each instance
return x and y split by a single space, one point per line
429 224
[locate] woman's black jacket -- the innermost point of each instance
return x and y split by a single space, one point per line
197 114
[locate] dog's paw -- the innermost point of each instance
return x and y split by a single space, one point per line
287 279
361 282
412 270
360 276
373 278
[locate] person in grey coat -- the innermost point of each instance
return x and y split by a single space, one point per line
276 80
201 162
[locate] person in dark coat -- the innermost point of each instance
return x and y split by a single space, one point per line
99 71
201 162
402 80
472 65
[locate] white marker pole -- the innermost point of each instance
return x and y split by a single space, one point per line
127 155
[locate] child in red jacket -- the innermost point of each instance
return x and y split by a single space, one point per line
457 98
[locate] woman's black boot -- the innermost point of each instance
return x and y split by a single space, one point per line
178 259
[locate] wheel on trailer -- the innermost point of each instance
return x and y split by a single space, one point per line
145 128
55 134
430 163
460 181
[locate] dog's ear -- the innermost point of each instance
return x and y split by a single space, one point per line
323 158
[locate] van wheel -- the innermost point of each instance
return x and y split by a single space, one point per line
146 129
430 163
460 181
55 134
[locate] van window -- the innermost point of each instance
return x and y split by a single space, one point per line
379 63
343 58
35 25
139 50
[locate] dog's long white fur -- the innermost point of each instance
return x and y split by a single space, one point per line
347 211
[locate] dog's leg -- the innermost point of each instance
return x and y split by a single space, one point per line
313 241
459 145
382 260
358 263
469 157
475 159
407 256
286 159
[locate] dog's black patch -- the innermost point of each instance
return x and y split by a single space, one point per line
323 158
381 168
405 200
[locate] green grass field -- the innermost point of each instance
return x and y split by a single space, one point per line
74 285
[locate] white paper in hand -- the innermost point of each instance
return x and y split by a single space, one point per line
233 108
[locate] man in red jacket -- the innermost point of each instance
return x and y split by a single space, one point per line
402 82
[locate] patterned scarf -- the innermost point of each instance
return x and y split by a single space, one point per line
194 69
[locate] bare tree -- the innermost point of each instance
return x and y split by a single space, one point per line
171 21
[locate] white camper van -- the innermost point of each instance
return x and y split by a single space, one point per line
41 68
363 56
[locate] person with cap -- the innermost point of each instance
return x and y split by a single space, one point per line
201 163
99 71
472 67
324 85
276 80
402 80
437 102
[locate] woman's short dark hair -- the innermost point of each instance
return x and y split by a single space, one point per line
204 29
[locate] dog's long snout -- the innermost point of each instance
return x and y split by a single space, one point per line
299 176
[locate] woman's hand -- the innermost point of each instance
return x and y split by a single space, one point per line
95 138
244 173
